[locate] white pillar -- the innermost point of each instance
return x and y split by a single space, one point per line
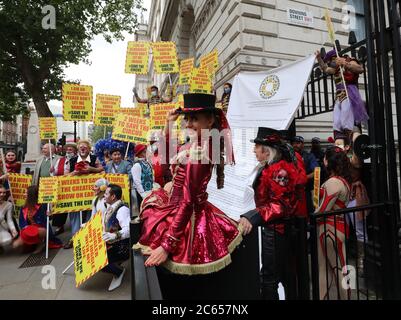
33 140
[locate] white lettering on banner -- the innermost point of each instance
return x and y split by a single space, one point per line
248 110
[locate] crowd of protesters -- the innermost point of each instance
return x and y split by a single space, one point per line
181 230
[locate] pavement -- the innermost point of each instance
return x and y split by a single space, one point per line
26 283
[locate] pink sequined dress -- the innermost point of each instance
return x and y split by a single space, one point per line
198 236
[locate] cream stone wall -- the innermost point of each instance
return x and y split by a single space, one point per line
250 35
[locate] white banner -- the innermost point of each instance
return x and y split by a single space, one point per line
259 99
270 98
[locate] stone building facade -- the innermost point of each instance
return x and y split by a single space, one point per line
13 135
250 35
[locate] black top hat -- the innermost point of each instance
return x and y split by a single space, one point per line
197 102
268 137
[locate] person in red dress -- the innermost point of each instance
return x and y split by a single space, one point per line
181 230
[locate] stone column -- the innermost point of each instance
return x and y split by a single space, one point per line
33 140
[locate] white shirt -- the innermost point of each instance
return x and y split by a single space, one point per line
88 159
100 206
136 172
123 217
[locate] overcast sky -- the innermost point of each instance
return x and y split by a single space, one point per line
106 73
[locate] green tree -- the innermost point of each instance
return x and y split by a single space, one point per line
99 133
33 55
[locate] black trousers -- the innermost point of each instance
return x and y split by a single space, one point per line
118 252
59 220
273 263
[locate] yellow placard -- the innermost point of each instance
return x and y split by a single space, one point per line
210 62
316 187
186 67
330 27
165 57
48 189
158 114
76 193
107 106
200 82
130 129
19 183
48 128
90 252
137 58
121 180
77 102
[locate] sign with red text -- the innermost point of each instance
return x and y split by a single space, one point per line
107 106
48 189
210 62
130 129
90 252
19 183
200 82
121 180
137 58
48 128
165 57
75 193
186 67
77 102
158 114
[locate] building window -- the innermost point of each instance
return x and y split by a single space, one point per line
359 9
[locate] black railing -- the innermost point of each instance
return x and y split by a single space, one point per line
342 259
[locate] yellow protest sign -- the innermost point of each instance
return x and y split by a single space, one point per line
19 183
165 57
48 128
90 252
107 106
158 114
76 193
48 190
210 62
186 67
330 27
121 180
200 82
316 187
137 58
130 129
180 101
77 102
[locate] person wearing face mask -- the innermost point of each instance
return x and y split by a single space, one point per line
83 164
225 98
155 98
62 168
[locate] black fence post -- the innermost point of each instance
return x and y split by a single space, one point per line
314 258
302 260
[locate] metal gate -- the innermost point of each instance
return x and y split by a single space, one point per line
379 241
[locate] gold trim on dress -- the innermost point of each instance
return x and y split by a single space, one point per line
196 269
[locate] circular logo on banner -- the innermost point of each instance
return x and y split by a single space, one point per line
269 87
